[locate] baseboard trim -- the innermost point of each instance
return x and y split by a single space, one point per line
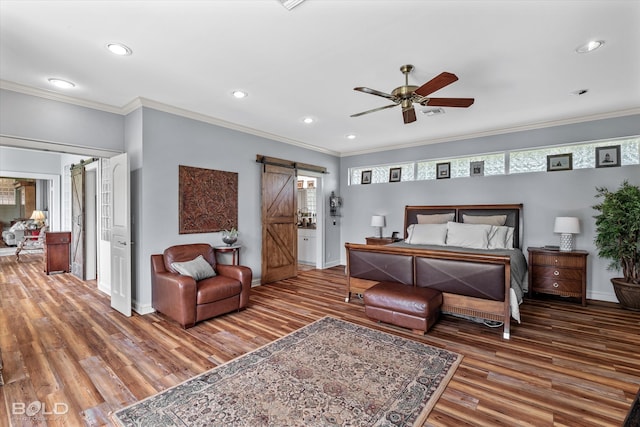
142 309
602 296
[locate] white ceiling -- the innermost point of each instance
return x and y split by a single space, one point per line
516 58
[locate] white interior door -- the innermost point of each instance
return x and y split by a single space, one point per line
120 235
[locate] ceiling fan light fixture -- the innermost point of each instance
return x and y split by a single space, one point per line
590 46
119 49
62 84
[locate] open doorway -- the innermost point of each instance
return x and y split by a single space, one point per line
310 220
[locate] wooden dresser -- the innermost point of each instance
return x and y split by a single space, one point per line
558 273
56 251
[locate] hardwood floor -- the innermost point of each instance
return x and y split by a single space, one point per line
63 346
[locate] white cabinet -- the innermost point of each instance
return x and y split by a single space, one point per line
307 246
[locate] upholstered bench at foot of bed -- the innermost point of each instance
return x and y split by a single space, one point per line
407 306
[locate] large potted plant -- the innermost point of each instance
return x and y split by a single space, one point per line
618 239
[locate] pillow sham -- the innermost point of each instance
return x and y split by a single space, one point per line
501 237
427 234
484 219
435 218
474 236
197 268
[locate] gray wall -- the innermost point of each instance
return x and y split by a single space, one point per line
31 117
158 142
169 141
544 195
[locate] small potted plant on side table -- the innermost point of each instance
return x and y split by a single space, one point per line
618 239
230 236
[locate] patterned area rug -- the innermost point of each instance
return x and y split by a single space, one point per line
329 373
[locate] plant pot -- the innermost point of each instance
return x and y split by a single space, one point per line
627 293
229 240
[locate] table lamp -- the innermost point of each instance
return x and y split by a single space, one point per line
567 226
38 217
378 221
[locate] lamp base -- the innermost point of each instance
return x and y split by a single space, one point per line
566 242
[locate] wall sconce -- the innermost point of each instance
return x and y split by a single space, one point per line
335 202
378 221
567 226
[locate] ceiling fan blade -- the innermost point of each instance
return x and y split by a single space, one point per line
449 102
409 115
436 83
374 92
373 111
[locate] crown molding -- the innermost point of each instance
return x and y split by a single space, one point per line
501 131
149 103
54 96
140 102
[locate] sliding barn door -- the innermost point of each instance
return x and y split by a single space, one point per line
77 221
279 227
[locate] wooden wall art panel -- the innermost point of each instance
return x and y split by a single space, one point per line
207 201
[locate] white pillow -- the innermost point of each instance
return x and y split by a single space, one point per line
484 219
427 234
435 218
500 237
468 235
197 268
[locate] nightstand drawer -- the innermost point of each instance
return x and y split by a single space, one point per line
557 261
557 286
557 273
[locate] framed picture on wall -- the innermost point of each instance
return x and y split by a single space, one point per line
559 162
607 157
366 177
300 183
443 170
476 168
395 174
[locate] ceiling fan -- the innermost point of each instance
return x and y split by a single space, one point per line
407 95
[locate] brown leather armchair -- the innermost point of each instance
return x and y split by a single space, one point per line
188 301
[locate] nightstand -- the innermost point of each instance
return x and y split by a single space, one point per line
381 240
558 273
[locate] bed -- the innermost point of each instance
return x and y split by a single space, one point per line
471 253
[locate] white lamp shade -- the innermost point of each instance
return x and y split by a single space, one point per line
37 216
377 221
567 225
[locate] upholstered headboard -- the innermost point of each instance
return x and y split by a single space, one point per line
512 211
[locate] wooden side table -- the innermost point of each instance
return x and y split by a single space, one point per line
381 240
56 251
234 249
557 272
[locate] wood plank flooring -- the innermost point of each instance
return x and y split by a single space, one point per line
63 346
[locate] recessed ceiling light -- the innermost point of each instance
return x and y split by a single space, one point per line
589 46
308 120
240 94
119 49
62 84
350 136
579 92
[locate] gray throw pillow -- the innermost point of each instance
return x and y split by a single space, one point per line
197 268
